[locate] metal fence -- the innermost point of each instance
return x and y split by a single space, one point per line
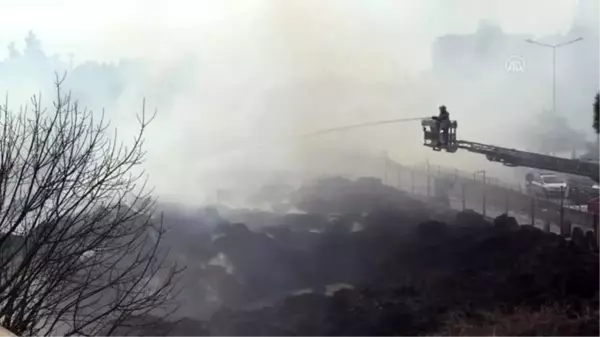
491 197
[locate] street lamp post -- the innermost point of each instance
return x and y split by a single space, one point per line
554 46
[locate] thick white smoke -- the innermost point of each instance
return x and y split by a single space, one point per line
229 75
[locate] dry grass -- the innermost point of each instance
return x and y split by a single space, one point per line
547 321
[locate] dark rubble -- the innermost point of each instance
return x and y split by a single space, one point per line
407 269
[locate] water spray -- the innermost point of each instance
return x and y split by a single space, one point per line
361 125
321 132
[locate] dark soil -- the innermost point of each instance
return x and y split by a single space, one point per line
408 270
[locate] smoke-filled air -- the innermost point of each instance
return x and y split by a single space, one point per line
299 167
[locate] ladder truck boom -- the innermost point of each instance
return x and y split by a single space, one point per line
509 157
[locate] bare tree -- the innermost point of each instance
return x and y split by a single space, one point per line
80 249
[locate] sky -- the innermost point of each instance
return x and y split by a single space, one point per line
263 69
112 29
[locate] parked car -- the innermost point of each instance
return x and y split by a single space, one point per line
580 190
549 185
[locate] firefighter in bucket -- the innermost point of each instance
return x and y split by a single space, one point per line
439 128
440 131
443 120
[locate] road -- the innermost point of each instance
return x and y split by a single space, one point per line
499 200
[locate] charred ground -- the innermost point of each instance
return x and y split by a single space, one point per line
400 267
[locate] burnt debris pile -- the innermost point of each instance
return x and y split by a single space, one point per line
366 259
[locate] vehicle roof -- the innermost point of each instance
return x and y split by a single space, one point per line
543 173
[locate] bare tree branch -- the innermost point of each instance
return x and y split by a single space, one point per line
79 247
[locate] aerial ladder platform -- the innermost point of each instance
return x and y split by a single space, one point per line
441 136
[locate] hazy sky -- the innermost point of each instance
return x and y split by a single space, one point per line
264 68
111 29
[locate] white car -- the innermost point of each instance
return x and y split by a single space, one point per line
547 185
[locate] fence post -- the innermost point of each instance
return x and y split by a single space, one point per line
532 211
562 211
595 227
464 205
484 193
506 206
428 177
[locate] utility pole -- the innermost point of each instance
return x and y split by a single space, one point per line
554 46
